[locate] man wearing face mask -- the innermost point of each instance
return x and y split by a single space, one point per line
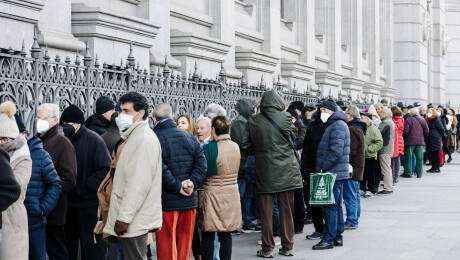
64 159
333 156
100 121
93 161
135 203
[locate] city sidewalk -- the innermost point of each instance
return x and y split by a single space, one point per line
421 220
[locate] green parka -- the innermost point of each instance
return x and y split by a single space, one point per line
277 167
374 141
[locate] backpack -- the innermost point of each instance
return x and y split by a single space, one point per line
104 193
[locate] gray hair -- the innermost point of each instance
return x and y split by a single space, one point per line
213 110
354 111
205 119
387 112
50 107
414 111
162 111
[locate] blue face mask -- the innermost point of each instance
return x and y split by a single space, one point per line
125 121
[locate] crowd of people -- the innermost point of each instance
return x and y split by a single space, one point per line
121 181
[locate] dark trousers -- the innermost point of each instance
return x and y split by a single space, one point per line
196 241
79 229
286 209
369 177
395 165
435 160
207 246
299 210
37 244
56 246
316 213
334 225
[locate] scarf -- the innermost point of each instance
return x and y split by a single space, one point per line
211 152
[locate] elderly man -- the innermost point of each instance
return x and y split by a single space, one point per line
270 136
333 156
351 194
135 204
63 155
184 168
203 130
93 161
387 129
415 132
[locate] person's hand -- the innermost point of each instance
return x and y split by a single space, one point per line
120 227
187 188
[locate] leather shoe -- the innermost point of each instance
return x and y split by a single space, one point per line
323 245
338 242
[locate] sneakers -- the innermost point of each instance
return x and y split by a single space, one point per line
361 193
285 252
314 236
368 194
323 245
385 192
264 254
349 226
433 171
250 228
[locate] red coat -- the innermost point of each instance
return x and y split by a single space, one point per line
399 141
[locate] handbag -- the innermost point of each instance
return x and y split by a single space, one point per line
277 127
321 189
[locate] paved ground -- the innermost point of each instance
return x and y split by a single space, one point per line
421 220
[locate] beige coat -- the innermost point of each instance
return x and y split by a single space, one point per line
15 241
219 202
136 193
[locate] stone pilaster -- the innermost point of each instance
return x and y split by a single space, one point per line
453 53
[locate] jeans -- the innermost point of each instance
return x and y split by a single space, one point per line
396 164
37 244
276 218
79 228
352 201
334 225
246 189
408 151
208 249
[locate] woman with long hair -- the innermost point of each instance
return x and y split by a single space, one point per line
186 123
434 140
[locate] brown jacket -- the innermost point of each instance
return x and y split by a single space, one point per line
219 202
357 145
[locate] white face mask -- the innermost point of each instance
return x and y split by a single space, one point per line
376 121
125 121
429 114
325 117
42 126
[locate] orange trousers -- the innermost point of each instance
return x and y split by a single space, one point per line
174 240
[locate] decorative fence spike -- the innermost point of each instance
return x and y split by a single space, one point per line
35 49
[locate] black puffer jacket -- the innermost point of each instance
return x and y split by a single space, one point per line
313 135
435 136
97 123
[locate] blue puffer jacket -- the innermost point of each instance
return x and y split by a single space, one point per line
44 186
183 159
334 148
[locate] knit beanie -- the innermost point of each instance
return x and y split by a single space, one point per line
72 114
104 104
372 111
8 126
329 104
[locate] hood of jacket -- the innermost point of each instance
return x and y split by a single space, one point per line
338 115
245 107
97 121
35 143
359 124
271 99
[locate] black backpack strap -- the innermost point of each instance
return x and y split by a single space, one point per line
277 127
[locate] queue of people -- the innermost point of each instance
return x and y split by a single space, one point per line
101 187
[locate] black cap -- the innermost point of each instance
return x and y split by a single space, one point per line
366 114
400 105
72 114
417 104
104 104
291 110
410 106
384 100
329 104
297 105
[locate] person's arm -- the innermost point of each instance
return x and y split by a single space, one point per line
246 147
335 147
101 166
376 143
52 185
170 182
67 166
407 129
386 135
199 166
9 187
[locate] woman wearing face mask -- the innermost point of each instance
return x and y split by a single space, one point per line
15 241
186 123
434 140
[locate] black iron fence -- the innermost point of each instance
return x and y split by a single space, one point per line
31 81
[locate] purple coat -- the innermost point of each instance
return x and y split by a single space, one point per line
415 131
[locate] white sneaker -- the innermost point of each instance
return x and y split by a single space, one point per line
361 192
368 194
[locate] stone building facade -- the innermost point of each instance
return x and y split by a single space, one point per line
403 50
